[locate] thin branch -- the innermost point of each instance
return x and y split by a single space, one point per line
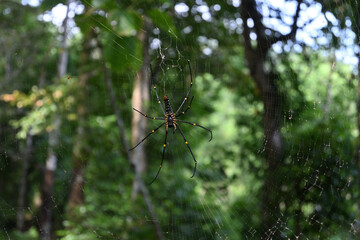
126 146
291 35
328 90
264 42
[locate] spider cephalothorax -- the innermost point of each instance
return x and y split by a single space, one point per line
171 121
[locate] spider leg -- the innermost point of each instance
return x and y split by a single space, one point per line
152 131
187 95
188 107
197 125
145 115
187 144
162 159
157 96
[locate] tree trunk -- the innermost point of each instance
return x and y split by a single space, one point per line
272 100
80 150
45 218
48 184
20 219
139 97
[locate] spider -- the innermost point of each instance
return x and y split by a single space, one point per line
171 121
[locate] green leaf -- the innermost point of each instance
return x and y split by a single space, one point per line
163 21
127 22
106 5
123 52
85 22
49 4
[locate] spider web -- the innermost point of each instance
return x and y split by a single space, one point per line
223 200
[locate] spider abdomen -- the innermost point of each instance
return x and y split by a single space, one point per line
168 109
170 116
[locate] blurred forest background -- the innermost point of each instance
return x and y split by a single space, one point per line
276 81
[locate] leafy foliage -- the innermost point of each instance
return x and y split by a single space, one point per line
317 179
